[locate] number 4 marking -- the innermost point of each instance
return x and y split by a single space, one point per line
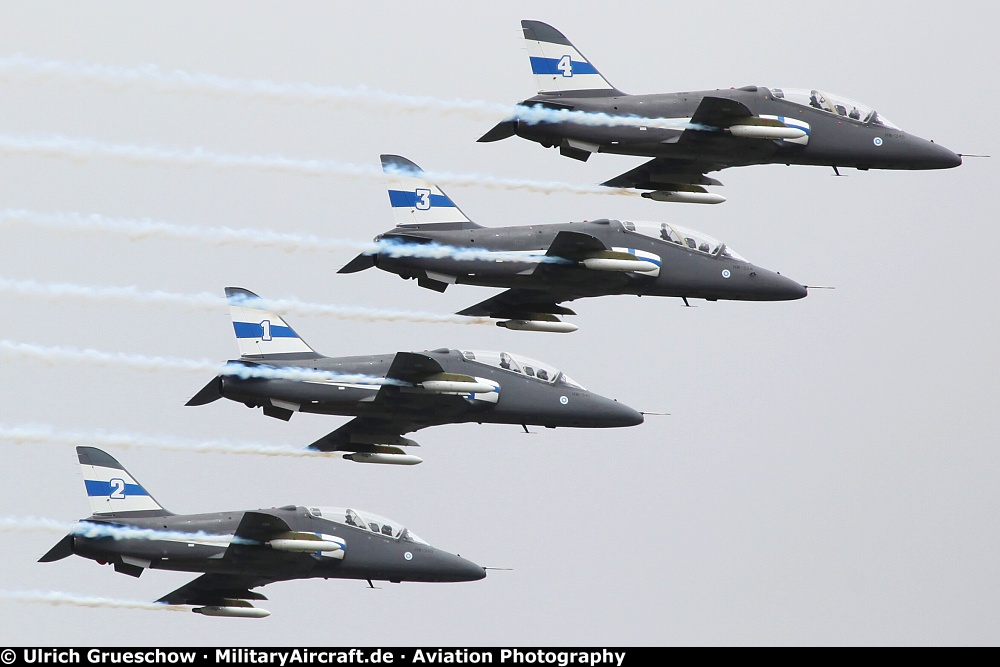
117 489
565 66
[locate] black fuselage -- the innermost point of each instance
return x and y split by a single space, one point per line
834 140
367 555
684 272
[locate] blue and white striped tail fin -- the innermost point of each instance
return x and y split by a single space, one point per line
415 200
110 488
557 65
260 332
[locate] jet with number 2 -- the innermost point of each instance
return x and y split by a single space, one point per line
705 131
393 394
242 550
545 265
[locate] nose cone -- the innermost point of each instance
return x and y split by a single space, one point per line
764 285
939 157
619 414
450 567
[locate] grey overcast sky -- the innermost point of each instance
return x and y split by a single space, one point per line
828 474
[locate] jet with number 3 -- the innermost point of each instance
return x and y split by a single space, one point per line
545 265
242 550
695 133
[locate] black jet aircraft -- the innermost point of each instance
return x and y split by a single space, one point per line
394 394
705 131
544 265
242 550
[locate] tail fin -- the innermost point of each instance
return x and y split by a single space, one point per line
112 491
262 334
417 201
557 65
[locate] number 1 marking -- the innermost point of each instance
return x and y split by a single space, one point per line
266 327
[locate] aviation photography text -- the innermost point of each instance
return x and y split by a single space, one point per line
309 656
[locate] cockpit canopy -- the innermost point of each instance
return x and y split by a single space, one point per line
683 236
518 364
365 521
835 104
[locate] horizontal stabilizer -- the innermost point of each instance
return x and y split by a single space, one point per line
209 393
62 549
502 130
359 263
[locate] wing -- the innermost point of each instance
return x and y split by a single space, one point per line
521 304
366 433
400 411
573 246
662 173
217 589
719 112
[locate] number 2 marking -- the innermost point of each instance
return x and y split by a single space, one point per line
423 199
565 66
117 489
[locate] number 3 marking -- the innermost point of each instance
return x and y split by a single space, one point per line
565 66
423 199
117 489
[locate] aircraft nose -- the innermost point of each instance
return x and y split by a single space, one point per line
776 287
942 158
461 569
619 414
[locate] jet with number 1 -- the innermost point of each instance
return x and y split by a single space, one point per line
244 549
705 131
545 265
391 395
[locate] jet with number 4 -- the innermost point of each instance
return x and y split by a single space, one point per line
695 133
545 265
391 395
242 550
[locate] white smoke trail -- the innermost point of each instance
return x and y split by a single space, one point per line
212 84
79 149
58 598
211 302
146 363
46 435
92 529
146 228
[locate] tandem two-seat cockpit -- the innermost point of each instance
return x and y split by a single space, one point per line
682 236
834 104
365 521
520 365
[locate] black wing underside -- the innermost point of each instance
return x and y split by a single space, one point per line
216 589
521 304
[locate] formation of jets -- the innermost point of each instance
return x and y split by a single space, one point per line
540 267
